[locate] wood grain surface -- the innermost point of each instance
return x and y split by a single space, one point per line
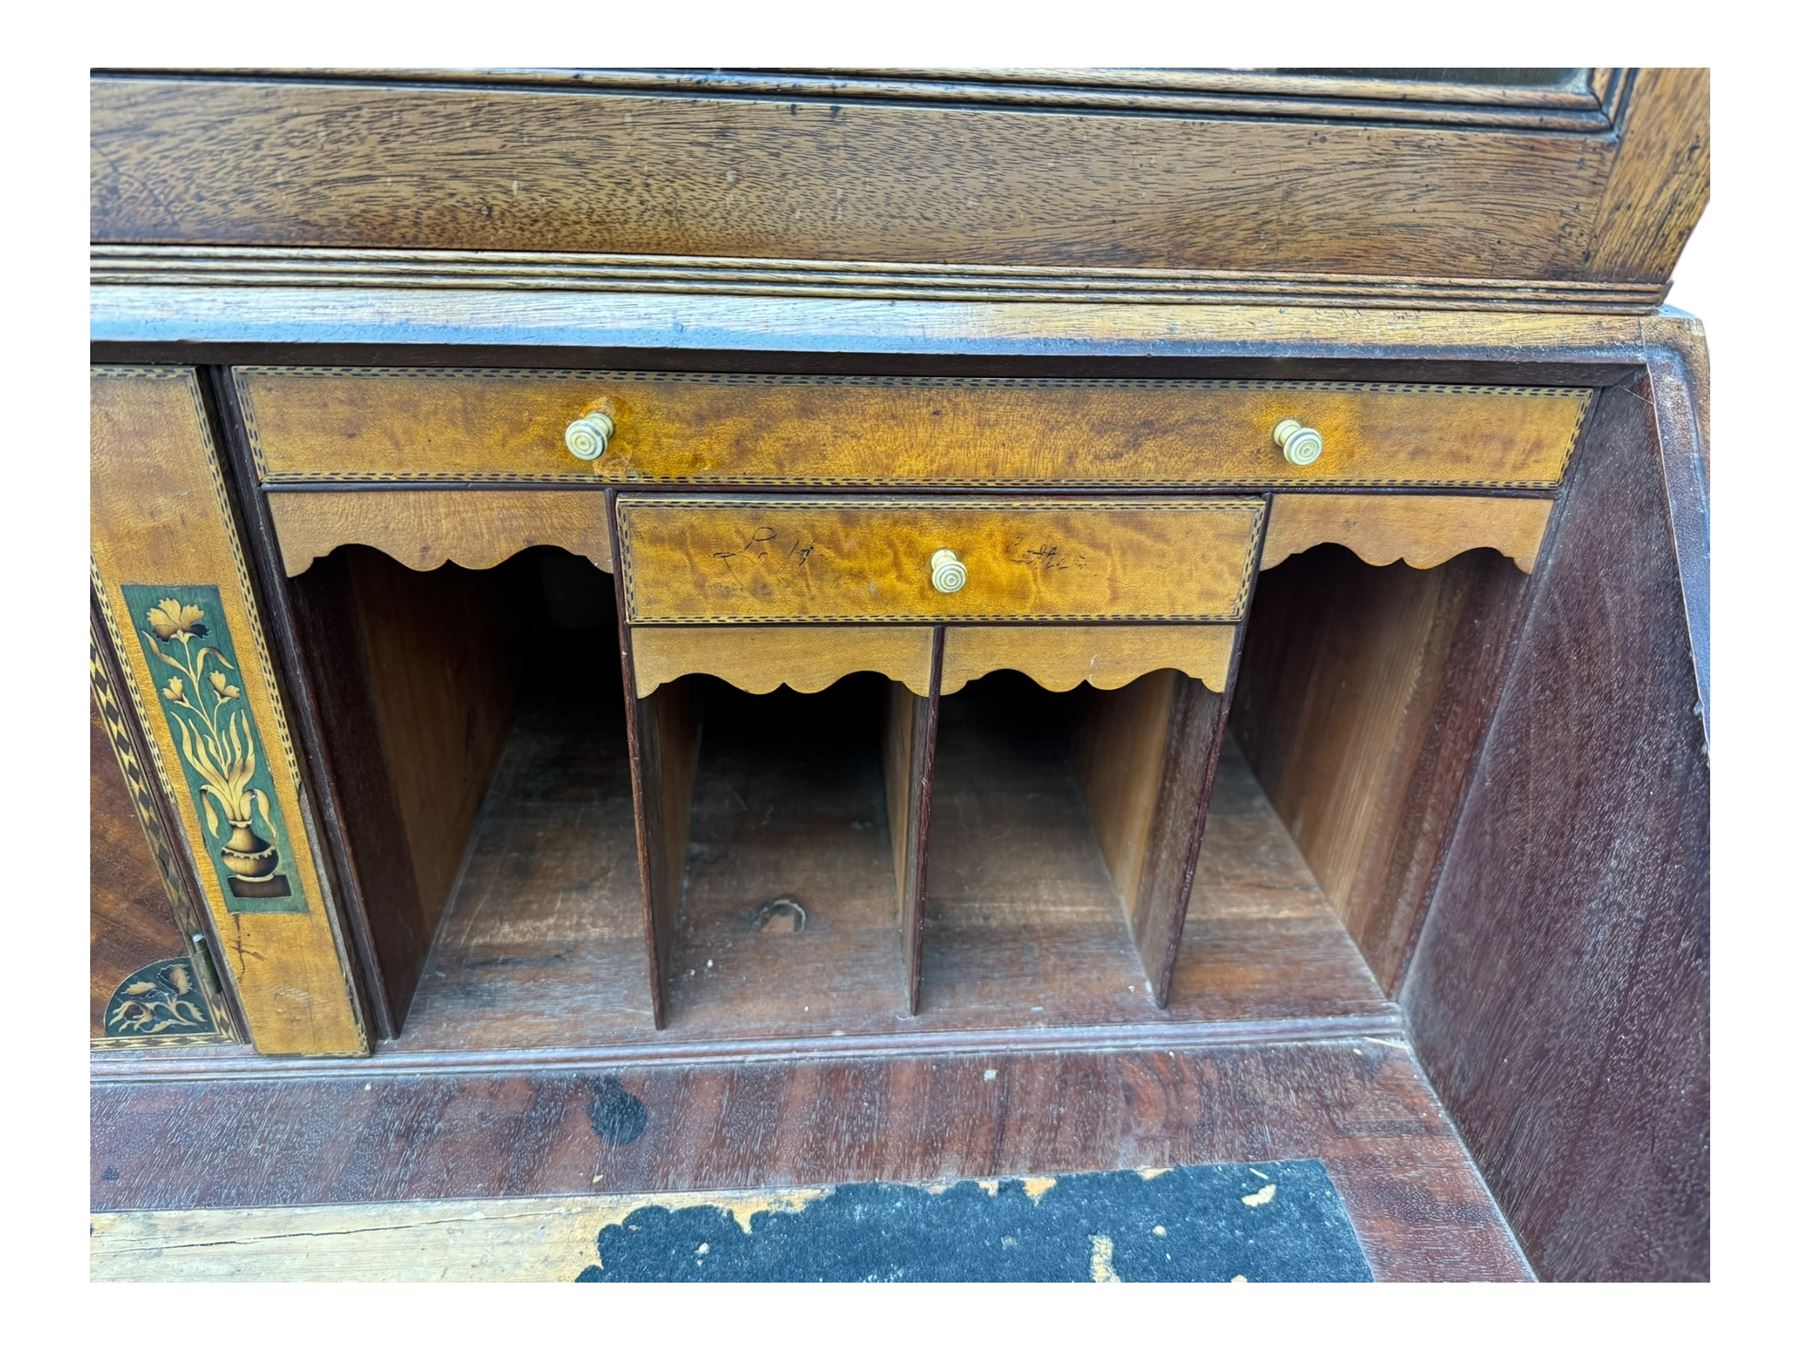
909 761
1661 180
1534 747
549 1238
1158 908
414 691
663 740
758 659
541 950
1419 1207
1363 700
308 424
247 270
160 516
131 922
1145 756
541 940
1105 656
1420 531
426 529
1681 396
821 560
1565 99
241 161
1560 989
1119 744
405 327
789 912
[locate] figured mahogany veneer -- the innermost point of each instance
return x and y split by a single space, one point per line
1420 531
348 424
426 529
728 560
1109 657
760 659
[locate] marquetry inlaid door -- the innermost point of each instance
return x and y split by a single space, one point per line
177 607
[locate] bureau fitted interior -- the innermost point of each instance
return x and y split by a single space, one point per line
1115 774
867 880
489 820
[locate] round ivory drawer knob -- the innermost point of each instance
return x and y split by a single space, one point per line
1299 445
947 571
586 436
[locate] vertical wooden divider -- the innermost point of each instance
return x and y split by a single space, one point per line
909 752
662 737
665 731
1146 758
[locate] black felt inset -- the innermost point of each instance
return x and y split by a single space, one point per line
1280 1221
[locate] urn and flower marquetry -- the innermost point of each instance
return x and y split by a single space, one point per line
214 730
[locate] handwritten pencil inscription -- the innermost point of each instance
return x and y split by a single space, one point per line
768 550
1049 557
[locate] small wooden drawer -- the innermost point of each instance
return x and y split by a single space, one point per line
312 425
718 560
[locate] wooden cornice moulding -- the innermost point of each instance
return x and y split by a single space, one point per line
465 270
1418 530
425 528
760 659
137 314
1560 100
1107 656
1374 179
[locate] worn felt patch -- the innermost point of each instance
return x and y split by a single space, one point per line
1221 1222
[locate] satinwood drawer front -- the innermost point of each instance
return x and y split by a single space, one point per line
310 425
719 560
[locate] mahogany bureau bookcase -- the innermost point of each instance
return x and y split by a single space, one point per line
903 625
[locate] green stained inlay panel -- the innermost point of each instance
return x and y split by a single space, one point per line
219 748
162 999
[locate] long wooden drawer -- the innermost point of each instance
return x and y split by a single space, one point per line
314 424
707 560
